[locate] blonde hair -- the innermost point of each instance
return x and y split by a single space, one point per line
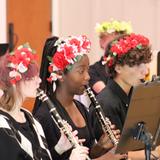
10 97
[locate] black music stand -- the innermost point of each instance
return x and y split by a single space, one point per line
142 125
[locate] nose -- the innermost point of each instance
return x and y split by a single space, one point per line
87 76
39 80
145 69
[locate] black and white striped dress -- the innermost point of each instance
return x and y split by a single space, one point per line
22 141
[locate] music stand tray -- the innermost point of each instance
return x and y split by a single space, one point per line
144 108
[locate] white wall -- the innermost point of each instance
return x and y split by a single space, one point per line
3 27
74 17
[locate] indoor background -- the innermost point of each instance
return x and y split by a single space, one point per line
34 20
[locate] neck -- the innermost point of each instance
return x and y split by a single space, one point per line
123 84
16 113
64 97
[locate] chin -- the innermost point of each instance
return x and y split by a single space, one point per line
137 83
80 92
33 95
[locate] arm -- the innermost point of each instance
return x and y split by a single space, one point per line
51 132
98 78
158 151
105 144
98 86
101 147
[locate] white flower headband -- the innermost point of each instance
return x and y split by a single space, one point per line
19 60
68 52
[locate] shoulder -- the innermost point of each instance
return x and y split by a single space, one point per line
107 98
30 116
42 111
95 66
4 121
6 134
81 106
34 122
106 93
43 116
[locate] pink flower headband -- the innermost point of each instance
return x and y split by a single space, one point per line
68 52
121 47
19 60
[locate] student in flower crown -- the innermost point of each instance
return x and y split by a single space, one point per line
127 63
21 136
64 72
107 31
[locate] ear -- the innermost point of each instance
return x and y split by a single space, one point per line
118 68
62 78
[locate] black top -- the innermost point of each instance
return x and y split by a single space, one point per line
52 132
97 72
10 139
114 102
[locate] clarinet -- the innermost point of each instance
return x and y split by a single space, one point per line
104 122
61 124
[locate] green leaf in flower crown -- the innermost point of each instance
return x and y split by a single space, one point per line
33 51
114 42
11 53
77 58
69 67
139 46
58 42
49 58
26 45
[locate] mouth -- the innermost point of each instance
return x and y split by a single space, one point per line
38 86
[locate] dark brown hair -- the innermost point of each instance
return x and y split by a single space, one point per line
48 51
133 57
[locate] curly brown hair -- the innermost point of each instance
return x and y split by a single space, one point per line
134 57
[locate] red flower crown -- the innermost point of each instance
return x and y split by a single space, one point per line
121 47
68 52
19 60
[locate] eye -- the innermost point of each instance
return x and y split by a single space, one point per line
80 71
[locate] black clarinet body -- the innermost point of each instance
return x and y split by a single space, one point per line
103 121
61 124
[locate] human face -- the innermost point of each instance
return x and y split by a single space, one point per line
29 87
78 77
106 39
132 76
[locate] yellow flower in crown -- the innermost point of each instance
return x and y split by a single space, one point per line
114 26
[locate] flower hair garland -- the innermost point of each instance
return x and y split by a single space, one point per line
19 60
121 47
113 26
69 51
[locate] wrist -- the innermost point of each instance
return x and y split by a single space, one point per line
59 149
